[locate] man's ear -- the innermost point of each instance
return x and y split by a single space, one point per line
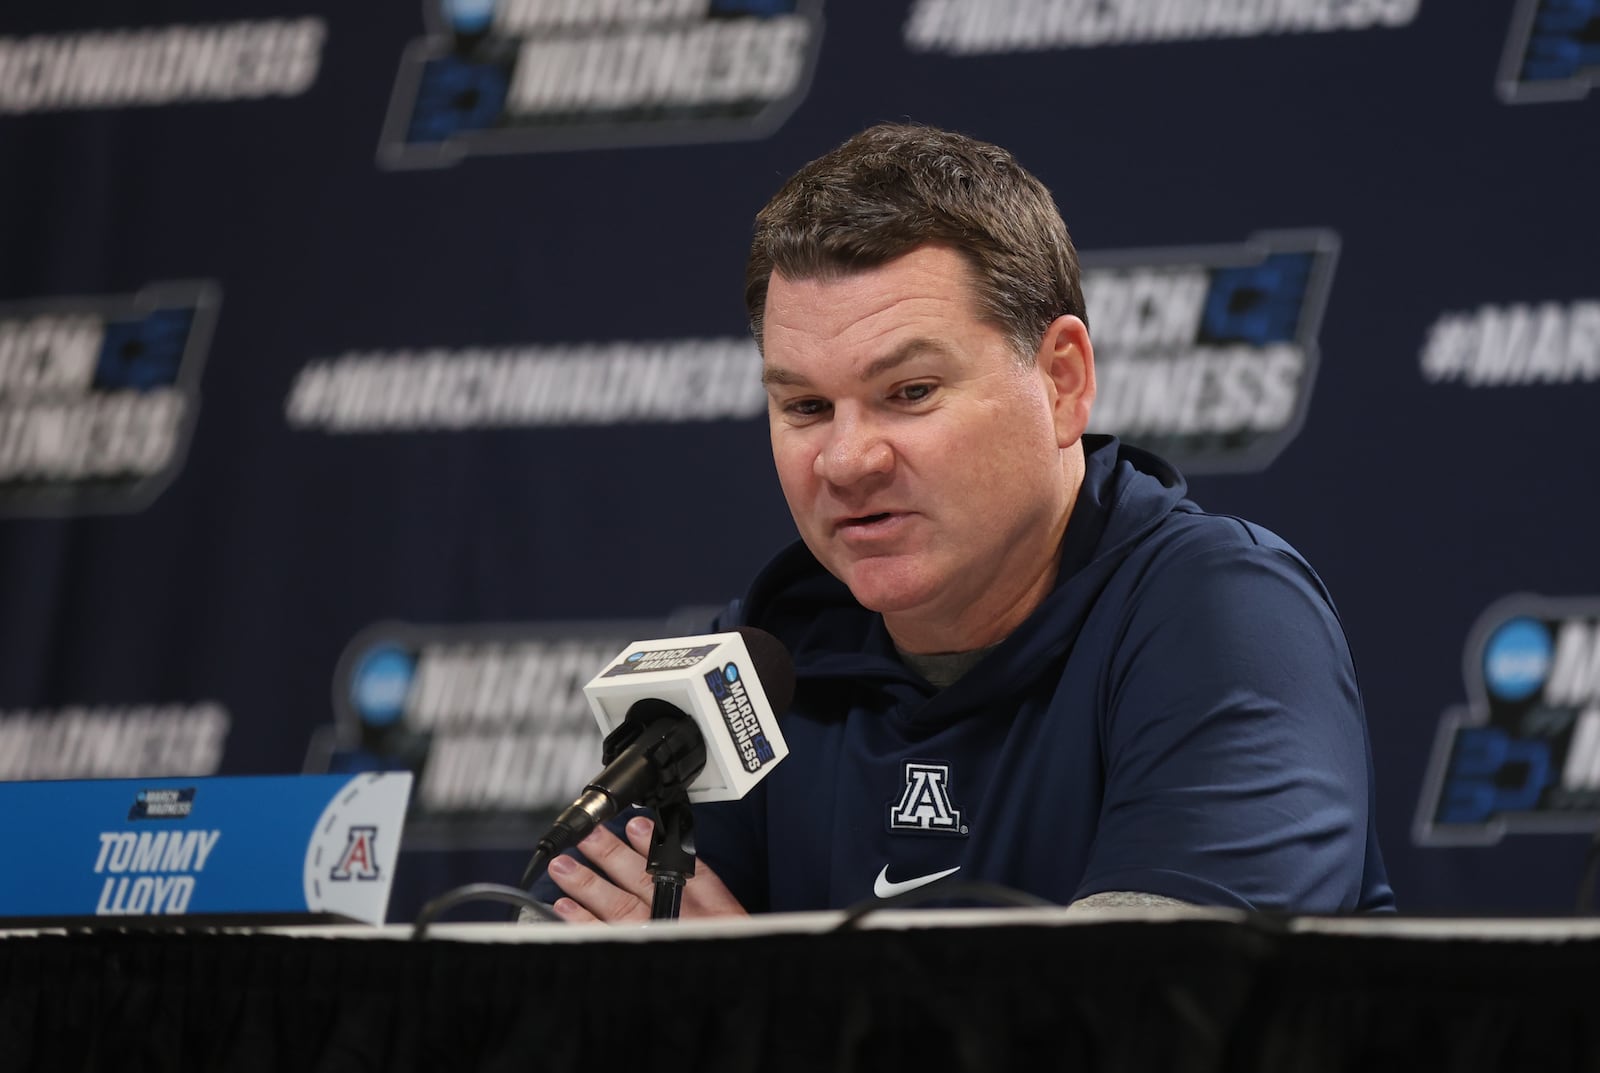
1066 361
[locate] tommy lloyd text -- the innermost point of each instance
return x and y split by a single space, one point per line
152 871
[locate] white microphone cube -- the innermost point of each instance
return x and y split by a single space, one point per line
713 680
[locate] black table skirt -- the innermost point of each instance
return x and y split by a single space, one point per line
1237 994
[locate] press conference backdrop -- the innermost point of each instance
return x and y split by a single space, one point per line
371 374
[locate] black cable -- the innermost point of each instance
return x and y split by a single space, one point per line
530 874
474 892
990 893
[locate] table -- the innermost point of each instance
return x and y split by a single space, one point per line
1172 990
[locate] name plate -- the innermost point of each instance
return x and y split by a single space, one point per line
241 848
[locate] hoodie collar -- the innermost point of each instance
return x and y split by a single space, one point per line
1126 493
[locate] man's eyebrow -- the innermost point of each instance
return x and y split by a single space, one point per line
911 348
777 374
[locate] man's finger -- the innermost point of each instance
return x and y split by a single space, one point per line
640 830
602 899
618 861
573 913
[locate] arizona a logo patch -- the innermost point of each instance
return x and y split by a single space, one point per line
924 804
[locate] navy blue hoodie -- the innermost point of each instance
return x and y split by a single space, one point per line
1179 716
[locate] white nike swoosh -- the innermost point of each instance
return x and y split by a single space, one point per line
883 887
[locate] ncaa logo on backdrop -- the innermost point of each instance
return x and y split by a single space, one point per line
492 720
509 76
1552 52
98 397
1207 355
1524 755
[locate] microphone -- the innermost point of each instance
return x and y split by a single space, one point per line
692 716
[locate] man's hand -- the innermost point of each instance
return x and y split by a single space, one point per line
619 890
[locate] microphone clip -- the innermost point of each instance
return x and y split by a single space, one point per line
666 740
672 855
664 744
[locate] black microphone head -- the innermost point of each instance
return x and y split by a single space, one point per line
773 666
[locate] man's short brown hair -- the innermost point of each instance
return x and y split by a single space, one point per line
897 186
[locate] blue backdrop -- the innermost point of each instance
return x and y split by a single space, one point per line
369 377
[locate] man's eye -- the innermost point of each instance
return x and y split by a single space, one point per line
916 392
805 407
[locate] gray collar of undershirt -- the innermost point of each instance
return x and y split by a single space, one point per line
943 668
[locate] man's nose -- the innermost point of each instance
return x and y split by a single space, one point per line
856 448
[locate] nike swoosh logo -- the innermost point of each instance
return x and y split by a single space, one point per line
884 887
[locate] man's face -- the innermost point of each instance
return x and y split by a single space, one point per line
922 461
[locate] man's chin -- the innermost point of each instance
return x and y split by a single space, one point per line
887 584
889 596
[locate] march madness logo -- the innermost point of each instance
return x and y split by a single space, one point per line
530 75
1552 52
648 660
98 397
740 717
1524 755
492 720
113 741
153 66
163 804
1207 355
977 27
924 804
1515 344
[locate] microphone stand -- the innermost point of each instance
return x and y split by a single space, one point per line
671 859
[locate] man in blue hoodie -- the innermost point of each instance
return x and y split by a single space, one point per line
1023 656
